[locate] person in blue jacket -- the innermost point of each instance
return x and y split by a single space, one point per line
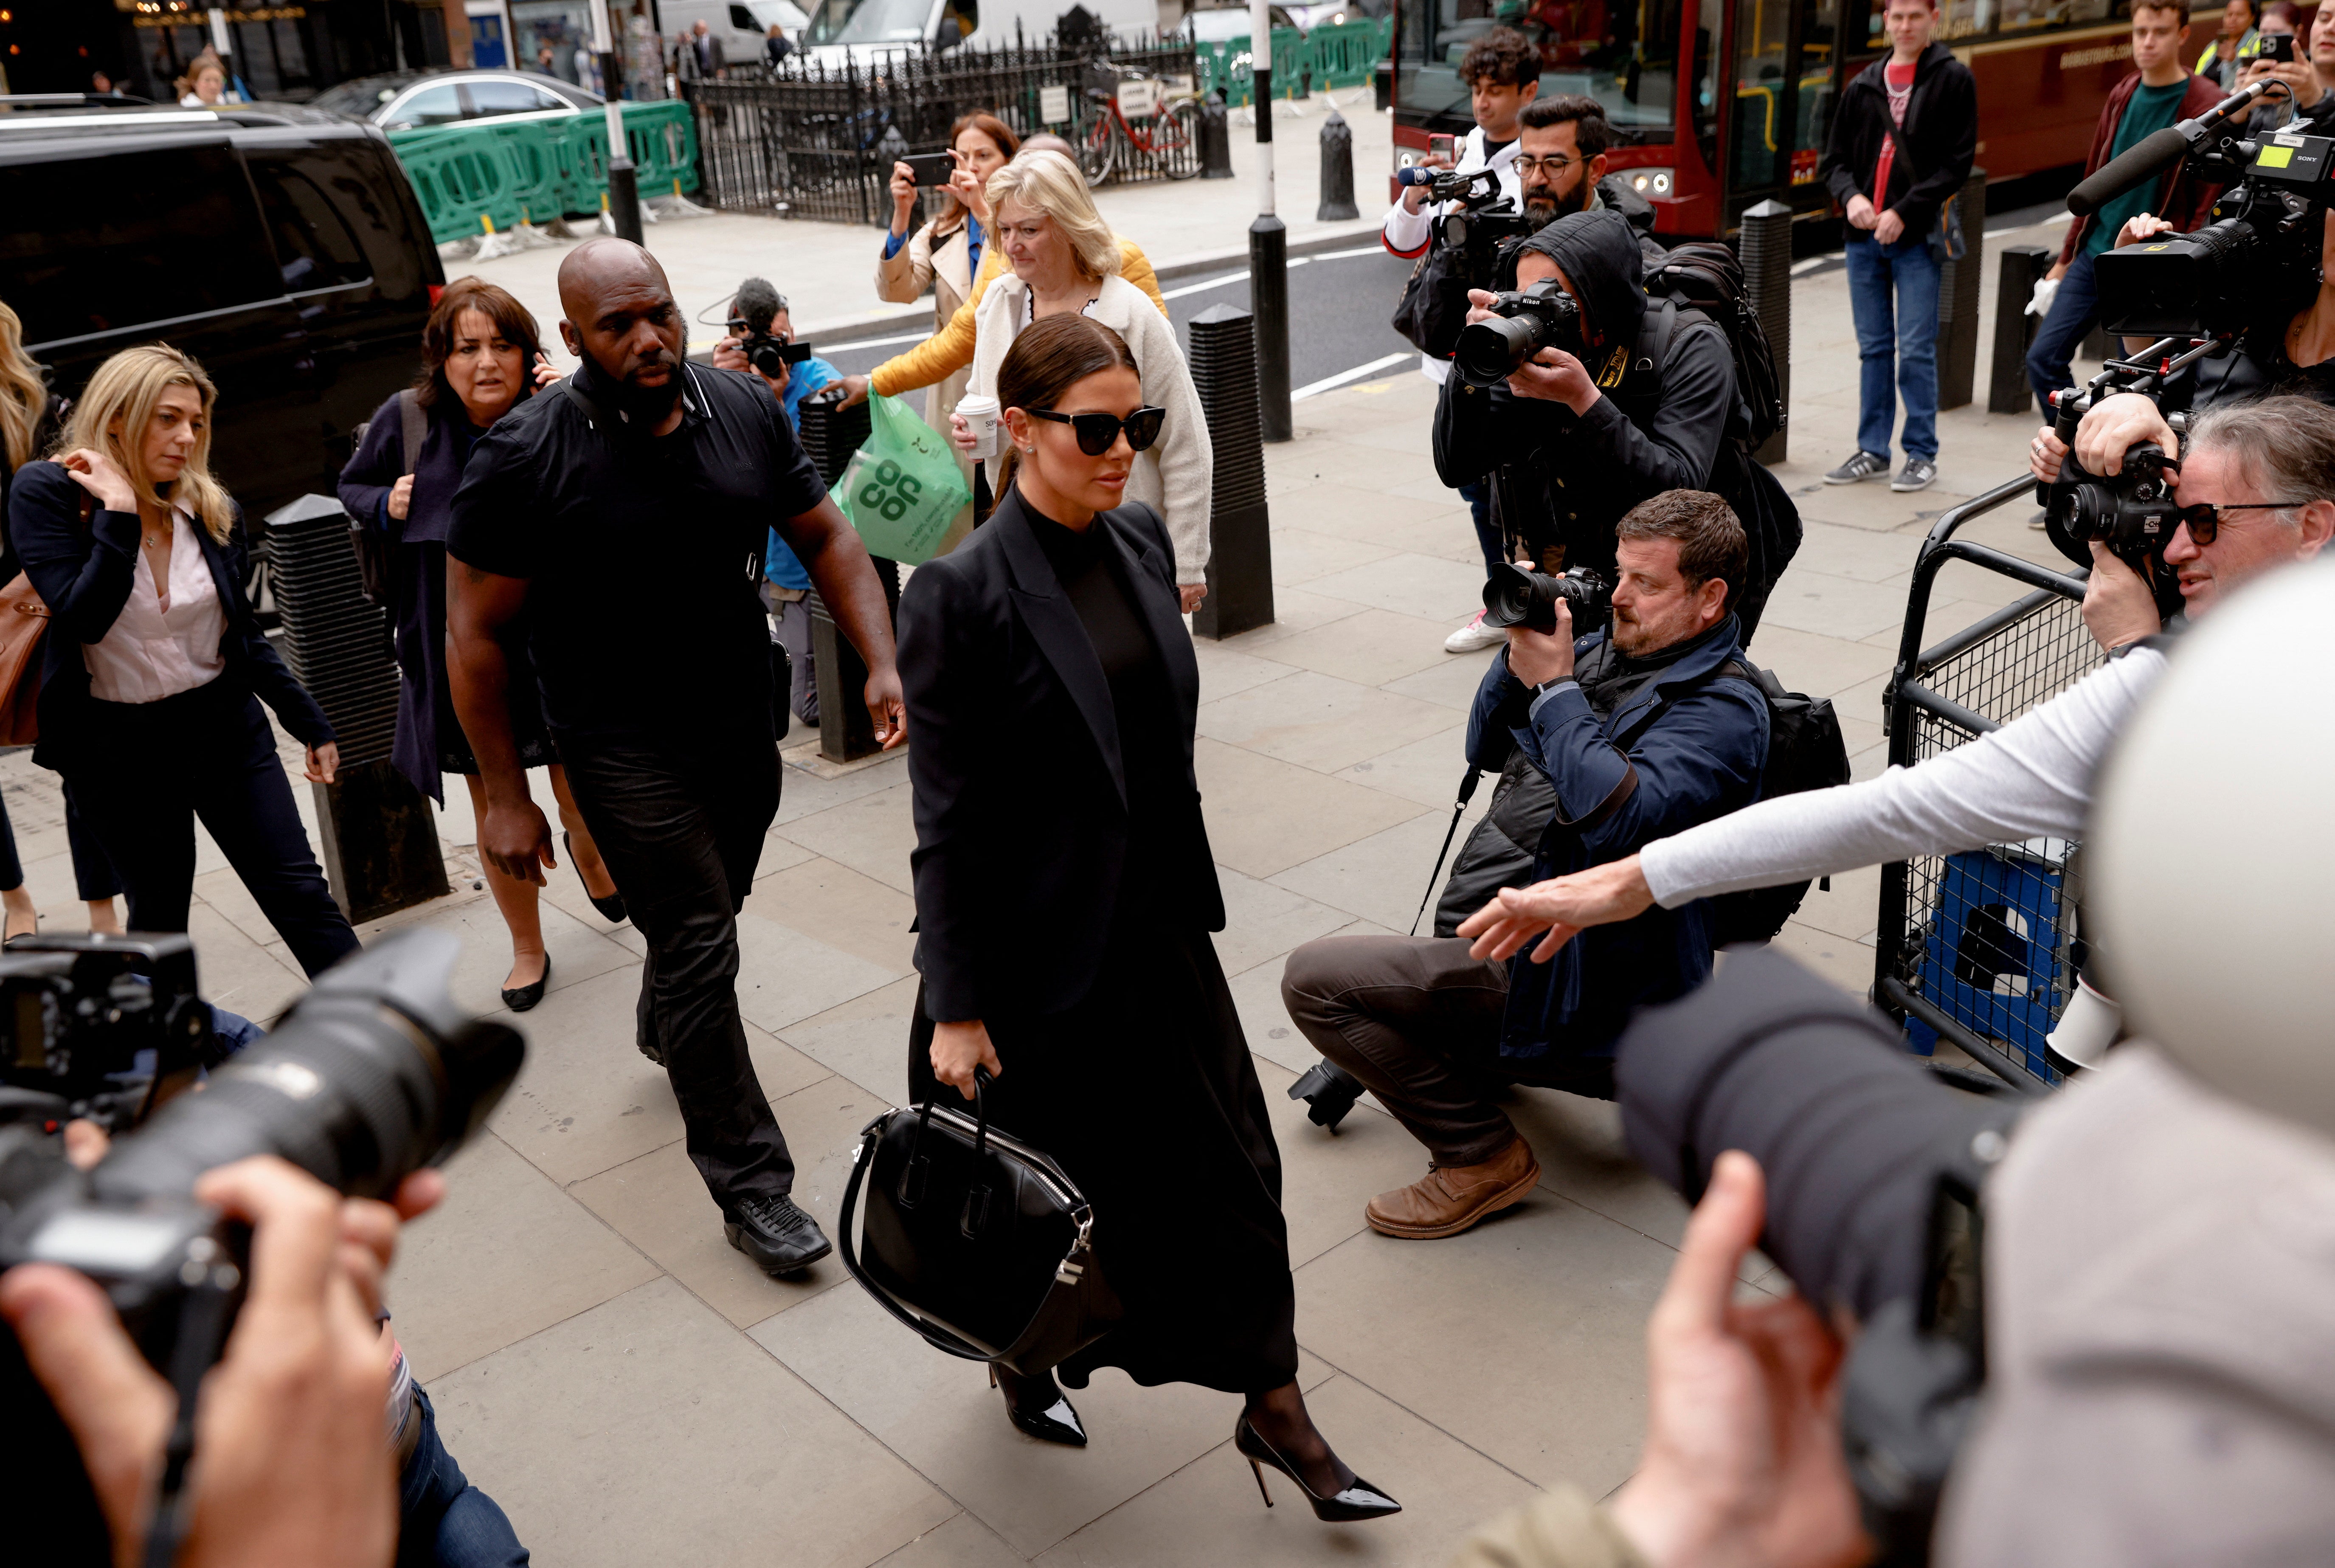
1643 731
786 586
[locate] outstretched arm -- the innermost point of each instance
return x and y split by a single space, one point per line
831 550
513 837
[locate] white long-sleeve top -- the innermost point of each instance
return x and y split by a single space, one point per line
2031 779
1408 233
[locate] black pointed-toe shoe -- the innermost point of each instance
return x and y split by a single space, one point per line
775 1233
611 908
1039 1409
1359 1501
523 997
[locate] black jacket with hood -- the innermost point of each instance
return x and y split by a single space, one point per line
1569 478
1934 146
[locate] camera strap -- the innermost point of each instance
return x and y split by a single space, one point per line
1459 808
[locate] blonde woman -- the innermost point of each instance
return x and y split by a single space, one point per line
1065 259
945 255
154 665
205 85
28 425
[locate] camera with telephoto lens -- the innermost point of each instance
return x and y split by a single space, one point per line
752 312
1875 1173
1516 596
1523 322
2134 512
374 1074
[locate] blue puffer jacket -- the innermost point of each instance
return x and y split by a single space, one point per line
1701 758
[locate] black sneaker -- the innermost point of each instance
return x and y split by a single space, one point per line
1861 465
779 1237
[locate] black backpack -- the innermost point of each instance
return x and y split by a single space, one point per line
1805 751
1705 276
1434 304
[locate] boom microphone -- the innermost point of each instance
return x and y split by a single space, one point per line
1416 174
2160 152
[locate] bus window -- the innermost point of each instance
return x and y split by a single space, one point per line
1622 53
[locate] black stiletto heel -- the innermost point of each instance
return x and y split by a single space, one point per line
1055 1422
1357 1502
1258 1471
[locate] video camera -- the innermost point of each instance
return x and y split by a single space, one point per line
1486 225
1875 1173
756 305
1517 596
374 1074
1525 322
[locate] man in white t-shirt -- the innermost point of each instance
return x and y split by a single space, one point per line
1502 71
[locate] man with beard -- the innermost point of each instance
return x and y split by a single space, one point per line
1560 144
623 514
1640 732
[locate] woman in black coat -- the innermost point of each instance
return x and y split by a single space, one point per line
29 427
481 359
154 666
1064 897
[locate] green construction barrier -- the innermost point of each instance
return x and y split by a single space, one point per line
1223 66
490 174
1345 54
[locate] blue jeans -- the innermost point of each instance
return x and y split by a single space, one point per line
2074 310
1895 343
444 1521
1488 533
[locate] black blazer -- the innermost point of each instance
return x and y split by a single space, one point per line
83 572
1020 803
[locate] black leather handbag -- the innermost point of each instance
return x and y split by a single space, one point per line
975 1240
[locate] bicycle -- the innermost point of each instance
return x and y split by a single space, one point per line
1169 139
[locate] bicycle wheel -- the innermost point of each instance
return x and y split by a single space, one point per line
1097 143
1175 140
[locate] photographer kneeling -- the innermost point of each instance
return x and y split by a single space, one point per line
1640 732
2257 488
1630 398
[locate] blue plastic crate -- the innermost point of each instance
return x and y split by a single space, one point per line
1994 958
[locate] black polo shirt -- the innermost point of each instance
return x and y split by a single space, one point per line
643 555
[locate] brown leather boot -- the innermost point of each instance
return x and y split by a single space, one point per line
1450 1198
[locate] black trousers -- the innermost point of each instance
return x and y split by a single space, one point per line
93 876
149 770
1418 1022
681 827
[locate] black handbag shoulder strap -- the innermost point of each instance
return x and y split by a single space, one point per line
414 425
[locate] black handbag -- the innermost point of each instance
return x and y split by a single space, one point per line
975 1240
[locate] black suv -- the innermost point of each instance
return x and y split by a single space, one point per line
281 247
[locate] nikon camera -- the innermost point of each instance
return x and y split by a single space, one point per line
1524 321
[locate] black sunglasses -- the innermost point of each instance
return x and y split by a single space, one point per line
1097 432
2203 520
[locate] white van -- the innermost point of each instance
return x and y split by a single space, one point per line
741 24
867 29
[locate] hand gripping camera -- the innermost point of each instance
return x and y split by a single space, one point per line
1517 596
1524 321
757 305
1484 225
374 1074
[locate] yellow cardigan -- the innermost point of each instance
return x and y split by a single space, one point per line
950 349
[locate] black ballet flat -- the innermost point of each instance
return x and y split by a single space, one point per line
1358 1502
1056 1423
611 908
526 996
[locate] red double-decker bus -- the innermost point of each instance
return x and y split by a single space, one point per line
1721 105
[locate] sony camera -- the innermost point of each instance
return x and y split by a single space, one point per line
1480 232
752 312
2259 256
1515 595
1524 321
374 1074
1877 1170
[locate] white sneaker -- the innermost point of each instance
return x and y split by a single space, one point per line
1474 637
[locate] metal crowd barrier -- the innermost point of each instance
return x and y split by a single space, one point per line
1980 949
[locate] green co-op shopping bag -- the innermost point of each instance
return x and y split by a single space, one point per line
902 489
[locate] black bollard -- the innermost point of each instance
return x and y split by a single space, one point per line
2022 268
1958 298
1223 360
1337 171
1766 249
830 434
380 842
1215 137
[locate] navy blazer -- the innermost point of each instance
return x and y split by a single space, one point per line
1020 793
83 571
1701 758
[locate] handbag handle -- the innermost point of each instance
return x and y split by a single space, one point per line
981 1082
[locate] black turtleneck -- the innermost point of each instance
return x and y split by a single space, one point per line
1162 813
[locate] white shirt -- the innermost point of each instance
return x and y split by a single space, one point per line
160 646
1408 233
2031 779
